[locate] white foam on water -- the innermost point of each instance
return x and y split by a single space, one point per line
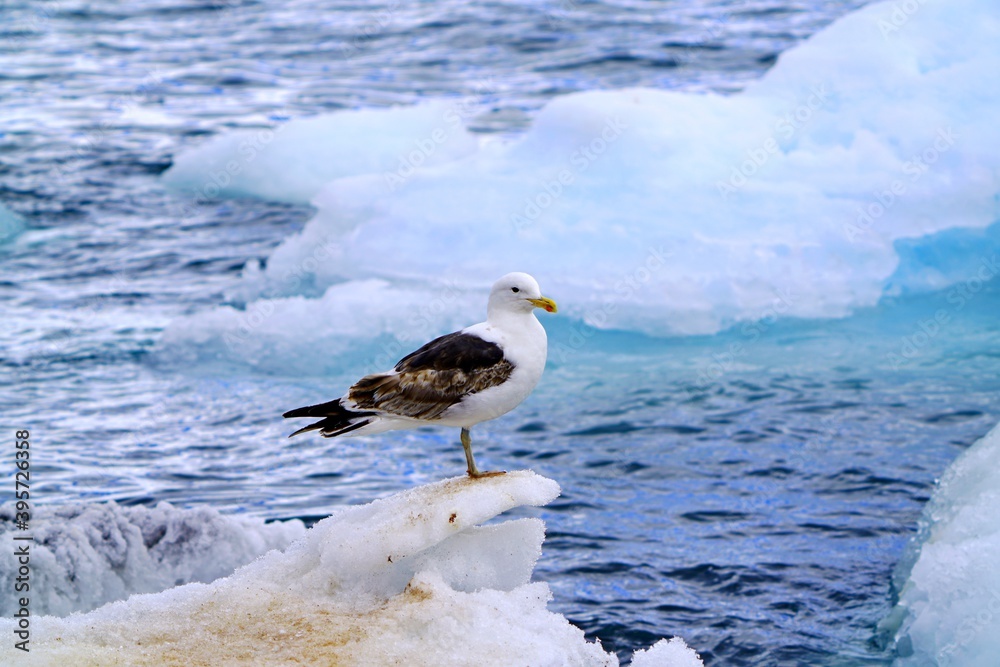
411 579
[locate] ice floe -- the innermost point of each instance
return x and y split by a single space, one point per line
865 163
412 579
949 585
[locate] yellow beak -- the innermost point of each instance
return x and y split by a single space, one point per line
548 304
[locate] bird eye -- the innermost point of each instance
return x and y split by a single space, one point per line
515 290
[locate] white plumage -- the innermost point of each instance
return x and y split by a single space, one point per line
461 379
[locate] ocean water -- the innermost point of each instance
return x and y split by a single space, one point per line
750 490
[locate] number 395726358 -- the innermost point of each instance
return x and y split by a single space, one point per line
22 478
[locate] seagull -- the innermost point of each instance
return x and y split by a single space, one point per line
460 379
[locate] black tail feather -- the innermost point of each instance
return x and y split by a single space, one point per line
306 429
338 420
329 409
332 427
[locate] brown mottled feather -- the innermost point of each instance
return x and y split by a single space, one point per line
424 384
425 393
430 380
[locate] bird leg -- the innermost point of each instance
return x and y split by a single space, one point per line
474 472
469 459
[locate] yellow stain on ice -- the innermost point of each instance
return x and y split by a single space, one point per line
252 620
259 630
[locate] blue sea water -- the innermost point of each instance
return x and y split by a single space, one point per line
750 491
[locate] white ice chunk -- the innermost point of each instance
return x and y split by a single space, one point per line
671 213
292 161
84 556
370 551
295 335
667 653
949 600
411 579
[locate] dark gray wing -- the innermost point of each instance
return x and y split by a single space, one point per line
432 379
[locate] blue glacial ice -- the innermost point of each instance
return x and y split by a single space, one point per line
865 163
10 224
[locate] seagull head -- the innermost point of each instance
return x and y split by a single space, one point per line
518 292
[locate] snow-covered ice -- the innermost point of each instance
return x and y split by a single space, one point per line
673 652
949 588
412 579
315 151
86 555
